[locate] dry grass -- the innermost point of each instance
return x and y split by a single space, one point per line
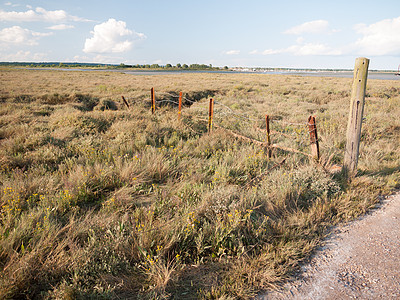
98 201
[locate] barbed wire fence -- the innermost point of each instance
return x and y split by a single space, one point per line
217 109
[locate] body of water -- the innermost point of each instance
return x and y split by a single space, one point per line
343 74
340 74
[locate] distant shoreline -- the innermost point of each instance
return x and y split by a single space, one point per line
379 75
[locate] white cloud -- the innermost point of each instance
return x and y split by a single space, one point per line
312 49
381 38
11 4
78 58
103 59
20 36
305 50
232 52
60 27
52 16
111 37
317 26
273 51
24 56
12 16
39 14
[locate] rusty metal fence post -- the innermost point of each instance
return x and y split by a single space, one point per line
210 115
312 129
268 136
180 106
153 101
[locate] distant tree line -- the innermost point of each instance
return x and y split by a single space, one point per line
170 66
111 66
53 64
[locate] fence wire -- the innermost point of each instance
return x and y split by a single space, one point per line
225 110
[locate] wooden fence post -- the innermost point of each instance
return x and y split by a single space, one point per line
312 129
180 106
126 102
153 101
356 114
210 115
268 136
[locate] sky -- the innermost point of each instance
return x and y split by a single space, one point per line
236 33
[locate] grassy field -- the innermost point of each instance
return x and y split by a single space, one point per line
98 201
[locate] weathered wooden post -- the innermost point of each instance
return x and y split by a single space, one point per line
210 115
356 115
312 129
268 136
153 101
180 106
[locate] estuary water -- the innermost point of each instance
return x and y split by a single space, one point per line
341 74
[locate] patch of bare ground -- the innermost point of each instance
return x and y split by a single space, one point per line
358 261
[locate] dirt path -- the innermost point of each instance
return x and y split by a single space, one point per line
359 261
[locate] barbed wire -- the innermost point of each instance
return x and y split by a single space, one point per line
166 100
225 110
215 102
177 96
169 94
244 117
235 114
241 117
290 123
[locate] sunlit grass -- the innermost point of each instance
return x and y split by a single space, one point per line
101 201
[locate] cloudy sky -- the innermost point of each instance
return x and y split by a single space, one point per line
264 33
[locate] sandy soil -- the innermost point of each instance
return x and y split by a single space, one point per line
360 260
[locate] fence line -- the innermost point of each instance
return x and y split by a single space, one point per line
312 129
242 117
353 129
195 102
260 143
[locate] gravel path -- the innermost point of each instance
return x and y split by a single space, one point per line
360 260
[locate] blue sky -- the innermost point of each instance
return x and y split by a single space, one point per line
254 33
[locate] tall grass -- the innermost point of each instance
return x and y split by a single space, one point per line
98 201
